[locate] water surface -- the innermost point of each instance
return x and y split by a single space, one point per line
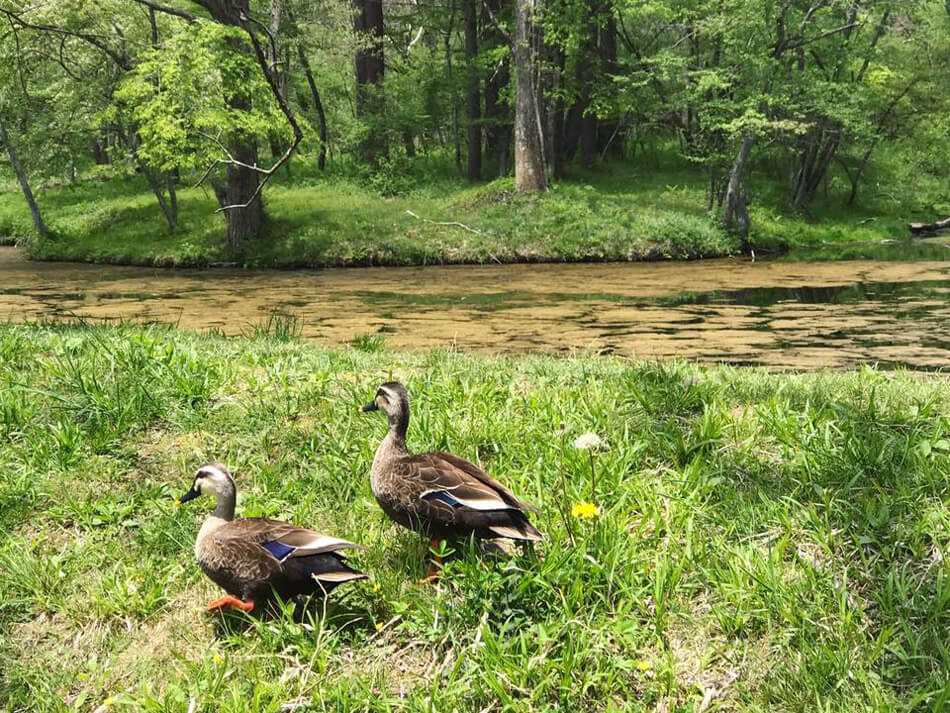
787 315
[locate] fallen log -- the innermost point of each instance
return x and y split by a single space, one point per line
927 229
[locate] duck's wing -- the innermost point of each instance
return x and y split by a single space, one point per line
283 540
244 559
458 494
466 480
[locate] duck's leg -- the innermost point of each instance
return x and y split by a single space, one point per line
432 565
227 601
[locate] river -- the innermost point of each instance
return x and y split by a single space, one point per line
782 315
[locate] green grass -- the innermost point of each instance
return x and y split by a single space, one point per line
765 541
347 218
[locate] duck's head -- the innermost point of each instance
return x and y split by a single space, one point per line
392 399
211 479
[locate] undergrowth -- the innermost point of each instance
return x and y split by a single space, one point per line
420 212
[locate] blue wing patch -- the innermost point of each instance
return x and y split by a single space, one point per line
279 549
442 497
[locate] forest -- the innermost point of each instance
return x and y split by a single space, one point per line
686 485
739 123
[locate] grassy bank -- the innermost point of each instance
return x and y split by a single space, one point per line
432 217
764 541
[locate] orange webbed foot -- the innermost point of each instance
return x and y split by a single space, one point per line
227 601
433 567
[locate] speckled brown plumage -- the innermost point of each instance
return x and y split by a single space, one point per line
255 558
439 494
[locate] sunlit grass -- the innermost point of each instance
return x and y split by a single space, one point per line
758 541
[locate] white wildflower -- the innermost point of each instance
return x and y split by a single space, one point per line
588 441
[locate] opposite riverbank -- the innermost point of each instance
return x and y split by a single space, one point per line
336 220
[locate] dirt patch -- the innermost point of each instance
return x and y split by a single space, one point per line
705 660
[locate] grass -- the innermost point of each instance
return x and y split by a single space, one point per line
423 214
764 541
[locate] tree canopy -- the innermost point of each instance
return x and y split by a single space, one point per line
227 92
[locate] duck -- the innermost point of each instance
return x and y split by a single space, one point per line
440 495
255 558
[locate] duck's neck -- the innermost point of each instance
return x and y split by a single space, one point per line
222 515
224 509
392 446
398 425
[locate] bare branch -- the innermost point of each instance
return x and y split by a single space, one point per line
415 40
498 27
95 40
802 42
284 107
168 10
453 223
878 32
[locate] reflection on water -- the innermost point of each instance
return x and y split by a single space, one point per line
778 314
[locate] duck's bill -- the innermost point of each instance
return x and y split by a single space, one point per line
190 495
369 407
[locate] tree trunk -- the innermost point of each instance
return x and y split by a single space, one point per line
929 229
473 104
610 132
99 153
409 143
170 179
370 69
447 51
585 69
318 106
498 132
550 71
735 211
813 165
24 182
244 222
169 207
530 174
280 68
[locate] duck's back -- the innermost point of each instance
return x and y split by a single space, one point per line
249 558
442 495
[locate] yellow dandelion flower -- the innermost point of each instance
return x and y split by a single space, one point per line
585 511
108 701
644 666
379 626
217 659
376 586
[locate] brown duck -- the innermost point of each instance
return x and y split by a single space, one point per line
253 559
439 494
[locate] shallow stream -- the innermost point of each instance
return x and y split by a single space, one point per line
780 314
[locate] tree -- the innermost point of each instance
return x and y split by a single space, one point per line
530 169
495 55
22 179
239 194
370 69
473 101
